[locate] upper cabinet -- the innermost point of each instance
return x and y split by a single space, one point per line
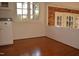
63 17
5 6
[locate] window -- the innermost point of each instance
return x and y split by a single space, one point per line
22 10
27 10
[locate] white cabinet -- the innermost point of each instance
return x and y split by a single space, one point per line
6 33
67 20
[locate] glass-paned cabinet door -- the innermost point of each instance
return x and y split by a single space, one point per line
59 19
77 23
69 21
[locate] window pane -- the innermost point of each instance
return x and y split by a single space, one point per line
24 16
19 11
31 12
25 5
19 5
36 12
25 11
31 5
19 17
31 16
57 20
36 6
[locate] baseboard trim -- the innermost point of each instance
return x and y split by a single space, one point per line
29 38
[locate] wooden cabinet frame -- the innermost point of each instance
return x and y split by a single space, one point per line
52 10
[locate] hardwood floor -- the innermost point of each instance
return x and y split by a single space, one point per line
42 46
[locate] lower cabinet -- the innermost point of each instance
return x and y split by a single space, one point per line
6 36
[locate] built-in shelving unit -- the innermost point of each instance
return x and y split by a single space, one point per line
63 17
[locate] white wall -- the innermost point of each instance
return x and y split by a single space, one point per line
35 28
40 28
64 35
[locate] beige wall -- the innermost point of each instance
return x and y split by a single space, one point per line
64 35
40 27
34 28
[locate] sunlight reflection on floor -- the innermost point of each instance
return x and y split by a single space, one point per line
35 52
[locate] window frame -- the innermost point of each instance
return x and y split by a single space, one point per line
28 15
